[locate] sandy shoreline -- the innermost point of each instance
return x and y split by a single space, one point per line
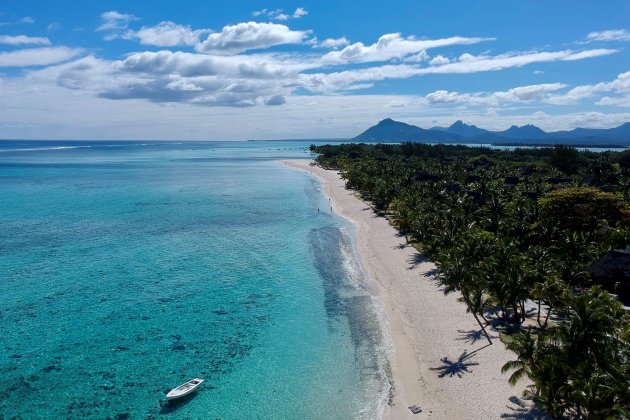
439 361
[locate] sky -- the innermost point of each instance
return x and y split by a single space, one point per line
237 70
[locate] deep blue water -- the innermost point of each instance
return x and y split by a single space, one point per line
129 268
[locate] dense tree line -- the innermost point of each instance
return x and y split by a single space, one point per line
507 228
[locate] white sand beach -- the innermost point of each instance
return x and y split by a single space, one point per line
439 360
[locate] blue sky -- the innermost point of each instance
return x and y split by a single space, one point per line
199 70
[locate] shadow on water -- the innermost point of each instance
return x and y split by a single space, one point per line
170 407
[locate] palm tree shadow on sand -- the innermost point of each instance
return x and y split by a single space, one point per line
415 260
472 336
457 367
522 410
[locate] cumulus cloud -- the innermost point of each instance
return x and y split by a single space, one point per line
180 77
444 97
166 34
439 60
23 40
609 35
241 37
332 43
225 72
37 56
390 46
416 58
115 23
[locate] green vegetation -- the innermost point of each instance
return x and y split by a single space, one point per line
507 228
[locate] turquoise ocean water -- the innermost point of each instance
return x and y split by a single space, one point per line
129 268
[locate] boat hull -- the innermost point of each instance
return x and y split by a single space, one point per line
184 390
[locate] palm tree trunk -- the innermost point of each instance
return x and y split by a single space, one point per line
547 317
482 328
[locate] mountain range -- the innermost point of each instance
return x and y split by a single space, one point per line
460 132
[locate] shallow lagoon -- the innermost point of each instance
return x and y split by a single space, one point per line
129 268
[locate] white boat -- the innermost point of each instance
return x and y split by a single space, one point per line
184 389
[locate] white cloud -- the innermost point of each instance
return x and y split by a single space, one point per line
166 34
345 80
241 37
417 58
37 56
439 60
473 64
609 35
114 21
521 94
299 12
180 77
588 54
530 93
444 97
332 43
390 46
620 85
225 73
43 113
23 40
623 101
279 14
27 20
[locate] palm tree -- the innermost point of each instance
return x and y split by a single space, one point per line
524 345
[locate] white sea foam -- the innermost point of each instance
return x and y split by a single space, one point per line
39 149
382 348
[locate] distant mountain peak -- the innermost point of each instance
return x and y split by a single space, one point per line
460 128
391 130
527 131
